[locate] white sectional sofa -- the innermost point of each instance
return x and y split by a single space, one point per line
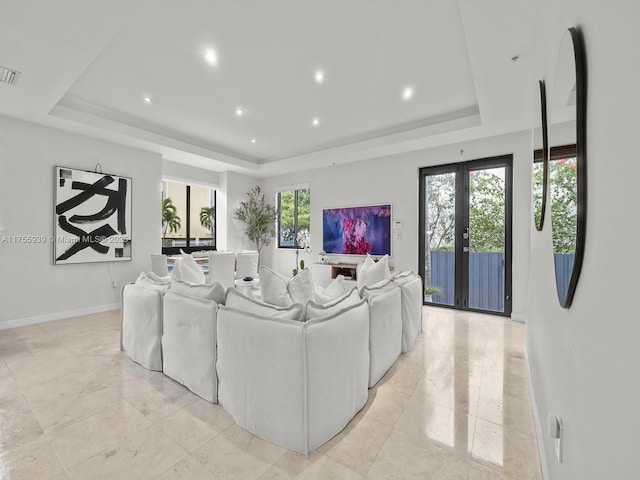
293 375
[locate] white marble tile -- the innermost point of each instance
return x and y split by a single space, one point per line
18 424
74 406
227 461
34 461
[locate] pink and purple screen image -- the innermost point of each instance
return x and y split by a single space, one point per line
357 230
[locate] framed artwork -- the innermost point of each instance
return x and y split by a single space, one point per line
92 221
357 230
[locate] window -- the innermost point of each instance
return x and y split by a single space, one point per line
294 218
188 217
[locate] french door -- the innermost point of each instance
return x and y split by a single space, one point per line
465 234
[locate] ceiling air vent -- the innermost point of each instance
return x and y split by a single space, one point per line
8 76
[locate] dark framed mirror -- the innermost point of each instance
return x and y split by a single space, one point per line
567 164
540 140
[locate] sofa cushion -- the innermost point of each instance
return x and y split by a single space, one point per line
274 288
301 287
215 292
372 272
235 299
317 310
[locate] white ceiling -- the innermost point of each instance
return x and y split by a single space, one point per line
85 67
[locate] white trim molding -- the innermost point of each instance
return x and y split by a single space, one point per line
536 420
23 322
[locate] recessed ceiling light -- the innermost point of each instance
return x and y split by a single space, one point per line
407 93
211 57
146 99
253 140
315 122
239 112
319 76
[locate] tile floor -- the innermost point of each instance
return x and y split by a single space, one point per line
72 406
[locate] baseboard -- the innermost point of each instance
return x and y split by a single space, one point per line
518 317
536 420
22 322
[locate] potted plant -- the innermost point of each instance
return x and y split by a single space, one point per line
259 218
430 291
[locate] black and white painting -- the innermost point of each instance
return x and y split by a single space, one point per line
92 217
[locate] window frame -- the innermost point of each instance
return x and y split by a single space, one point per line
193 248
295 189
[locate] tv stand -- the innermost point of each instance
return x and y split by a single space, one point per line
347 270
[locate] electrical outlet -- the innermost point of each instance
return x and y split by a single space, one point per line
559 442
555 427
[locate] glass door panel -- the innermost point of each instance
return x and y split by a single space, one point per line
439 255
465 234
485 236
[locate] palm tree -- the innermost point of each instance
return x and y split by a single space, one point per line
170 218
206 218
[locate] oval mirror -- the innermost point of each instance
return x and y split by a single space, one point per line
567 164
540 142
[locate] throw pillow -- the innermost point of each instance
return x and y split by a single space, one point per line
316 310
237 300
187 269
372 272
146 280
335 289
274 288
301 287
215 292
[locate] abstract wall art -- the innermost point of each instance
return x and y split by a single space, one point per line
357 230
92 220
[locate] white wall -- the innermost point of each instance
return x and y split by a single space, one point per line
395 180
30 285
233 190
188 174
584 360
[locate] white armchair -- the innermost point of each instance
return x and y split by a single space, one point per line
159 265
222 268
247 264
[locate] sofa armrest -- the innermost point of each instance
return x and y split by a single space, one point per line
141 325
189 343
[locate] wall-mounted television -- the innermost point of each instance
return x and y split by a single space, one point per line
357 230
